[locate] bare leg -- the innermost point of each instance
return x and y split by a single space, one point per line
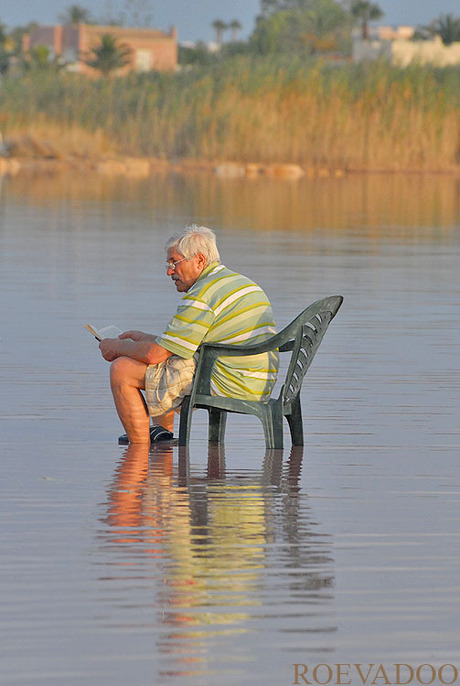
165 420
127 380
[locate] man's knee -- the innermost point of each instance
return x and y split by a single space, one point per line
124 370
118 370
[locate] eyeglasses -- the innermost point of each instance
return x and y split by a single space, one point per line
173 265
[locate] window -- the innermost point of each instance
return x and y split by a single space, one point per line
144 60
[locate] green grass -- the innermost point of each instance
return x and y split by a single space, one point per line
336 115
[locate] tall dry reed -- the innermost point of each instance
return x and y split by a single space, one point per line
370 116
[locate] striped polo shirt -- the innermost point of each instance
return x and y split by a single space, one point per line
225 307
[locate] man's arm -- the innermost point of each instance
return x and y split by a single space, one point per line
135 344
138 335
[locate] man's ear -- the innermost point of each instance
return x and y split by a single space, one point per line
201 260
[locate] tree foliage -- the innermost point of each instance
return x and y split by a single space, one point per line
219 27
299 26
269 7
75 14
447 27
39 58
109 55
4 56
17 35
365 12
196 56
234 27
137 13
3 35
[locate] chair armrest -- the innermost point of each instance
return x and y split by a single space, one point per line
287 340
283 341
279 341
222 349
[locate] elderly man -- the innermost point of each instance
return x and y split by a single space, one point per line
218 306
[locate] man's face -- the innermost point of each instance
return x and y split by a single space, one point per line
187 270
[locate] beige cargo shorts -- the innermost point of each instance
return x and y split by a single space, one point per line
167 383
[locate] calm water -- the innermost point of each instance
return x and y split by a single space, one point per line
227 567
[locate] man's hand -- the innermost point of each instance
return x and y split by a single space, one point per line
145 350
138 336
110 348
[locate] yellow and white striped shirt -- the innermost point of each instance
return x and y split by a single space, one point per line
225 307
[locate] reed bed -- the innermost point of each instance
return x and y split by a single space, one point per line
317 114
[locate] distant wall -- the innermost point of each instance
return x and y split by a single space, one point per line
151 48
404 52
425 52
369 50
50 36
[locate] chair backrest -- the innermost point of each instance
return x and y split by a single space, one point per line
303 336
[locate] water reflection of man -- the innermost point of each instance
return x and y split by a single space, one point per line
208 553
219 306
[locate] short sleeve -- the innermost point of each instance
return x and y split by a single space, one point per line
187 329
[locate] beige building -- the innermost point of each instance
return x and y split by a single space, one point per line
396 46
433 51
151 49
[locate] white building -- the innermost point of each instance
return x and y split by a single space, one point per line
396 45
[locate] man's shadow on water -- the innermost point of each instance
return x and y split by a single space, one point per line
205 538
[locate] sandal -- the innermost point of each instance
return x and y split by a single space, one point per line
157 435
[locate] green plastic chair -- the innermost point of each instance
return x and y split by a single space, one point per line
301 338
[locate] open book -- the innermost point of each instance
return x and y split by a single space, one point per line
105 332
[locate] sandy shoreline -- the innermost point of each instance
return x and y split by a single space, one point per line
141 168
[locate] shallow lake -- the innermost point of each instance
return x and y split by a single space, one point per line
233 565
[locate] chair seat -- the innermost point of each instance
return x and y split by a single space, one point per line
301 338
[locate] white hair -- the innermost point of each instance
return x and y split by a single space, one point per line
195 240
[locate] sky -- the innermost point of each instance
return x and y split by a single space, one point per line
193 18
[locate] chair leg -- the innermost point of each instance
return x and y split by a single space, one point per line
295 423
272 420
185 421
183 465
217 423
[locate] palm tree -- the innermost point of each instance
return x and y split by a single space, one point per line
75 14
235 26
17 34
39 58
3 34
137 13
108 55
447 27
365 12
219 27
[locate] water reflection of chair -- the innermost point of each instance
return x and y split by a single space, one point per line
302 338
209 553
216 467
